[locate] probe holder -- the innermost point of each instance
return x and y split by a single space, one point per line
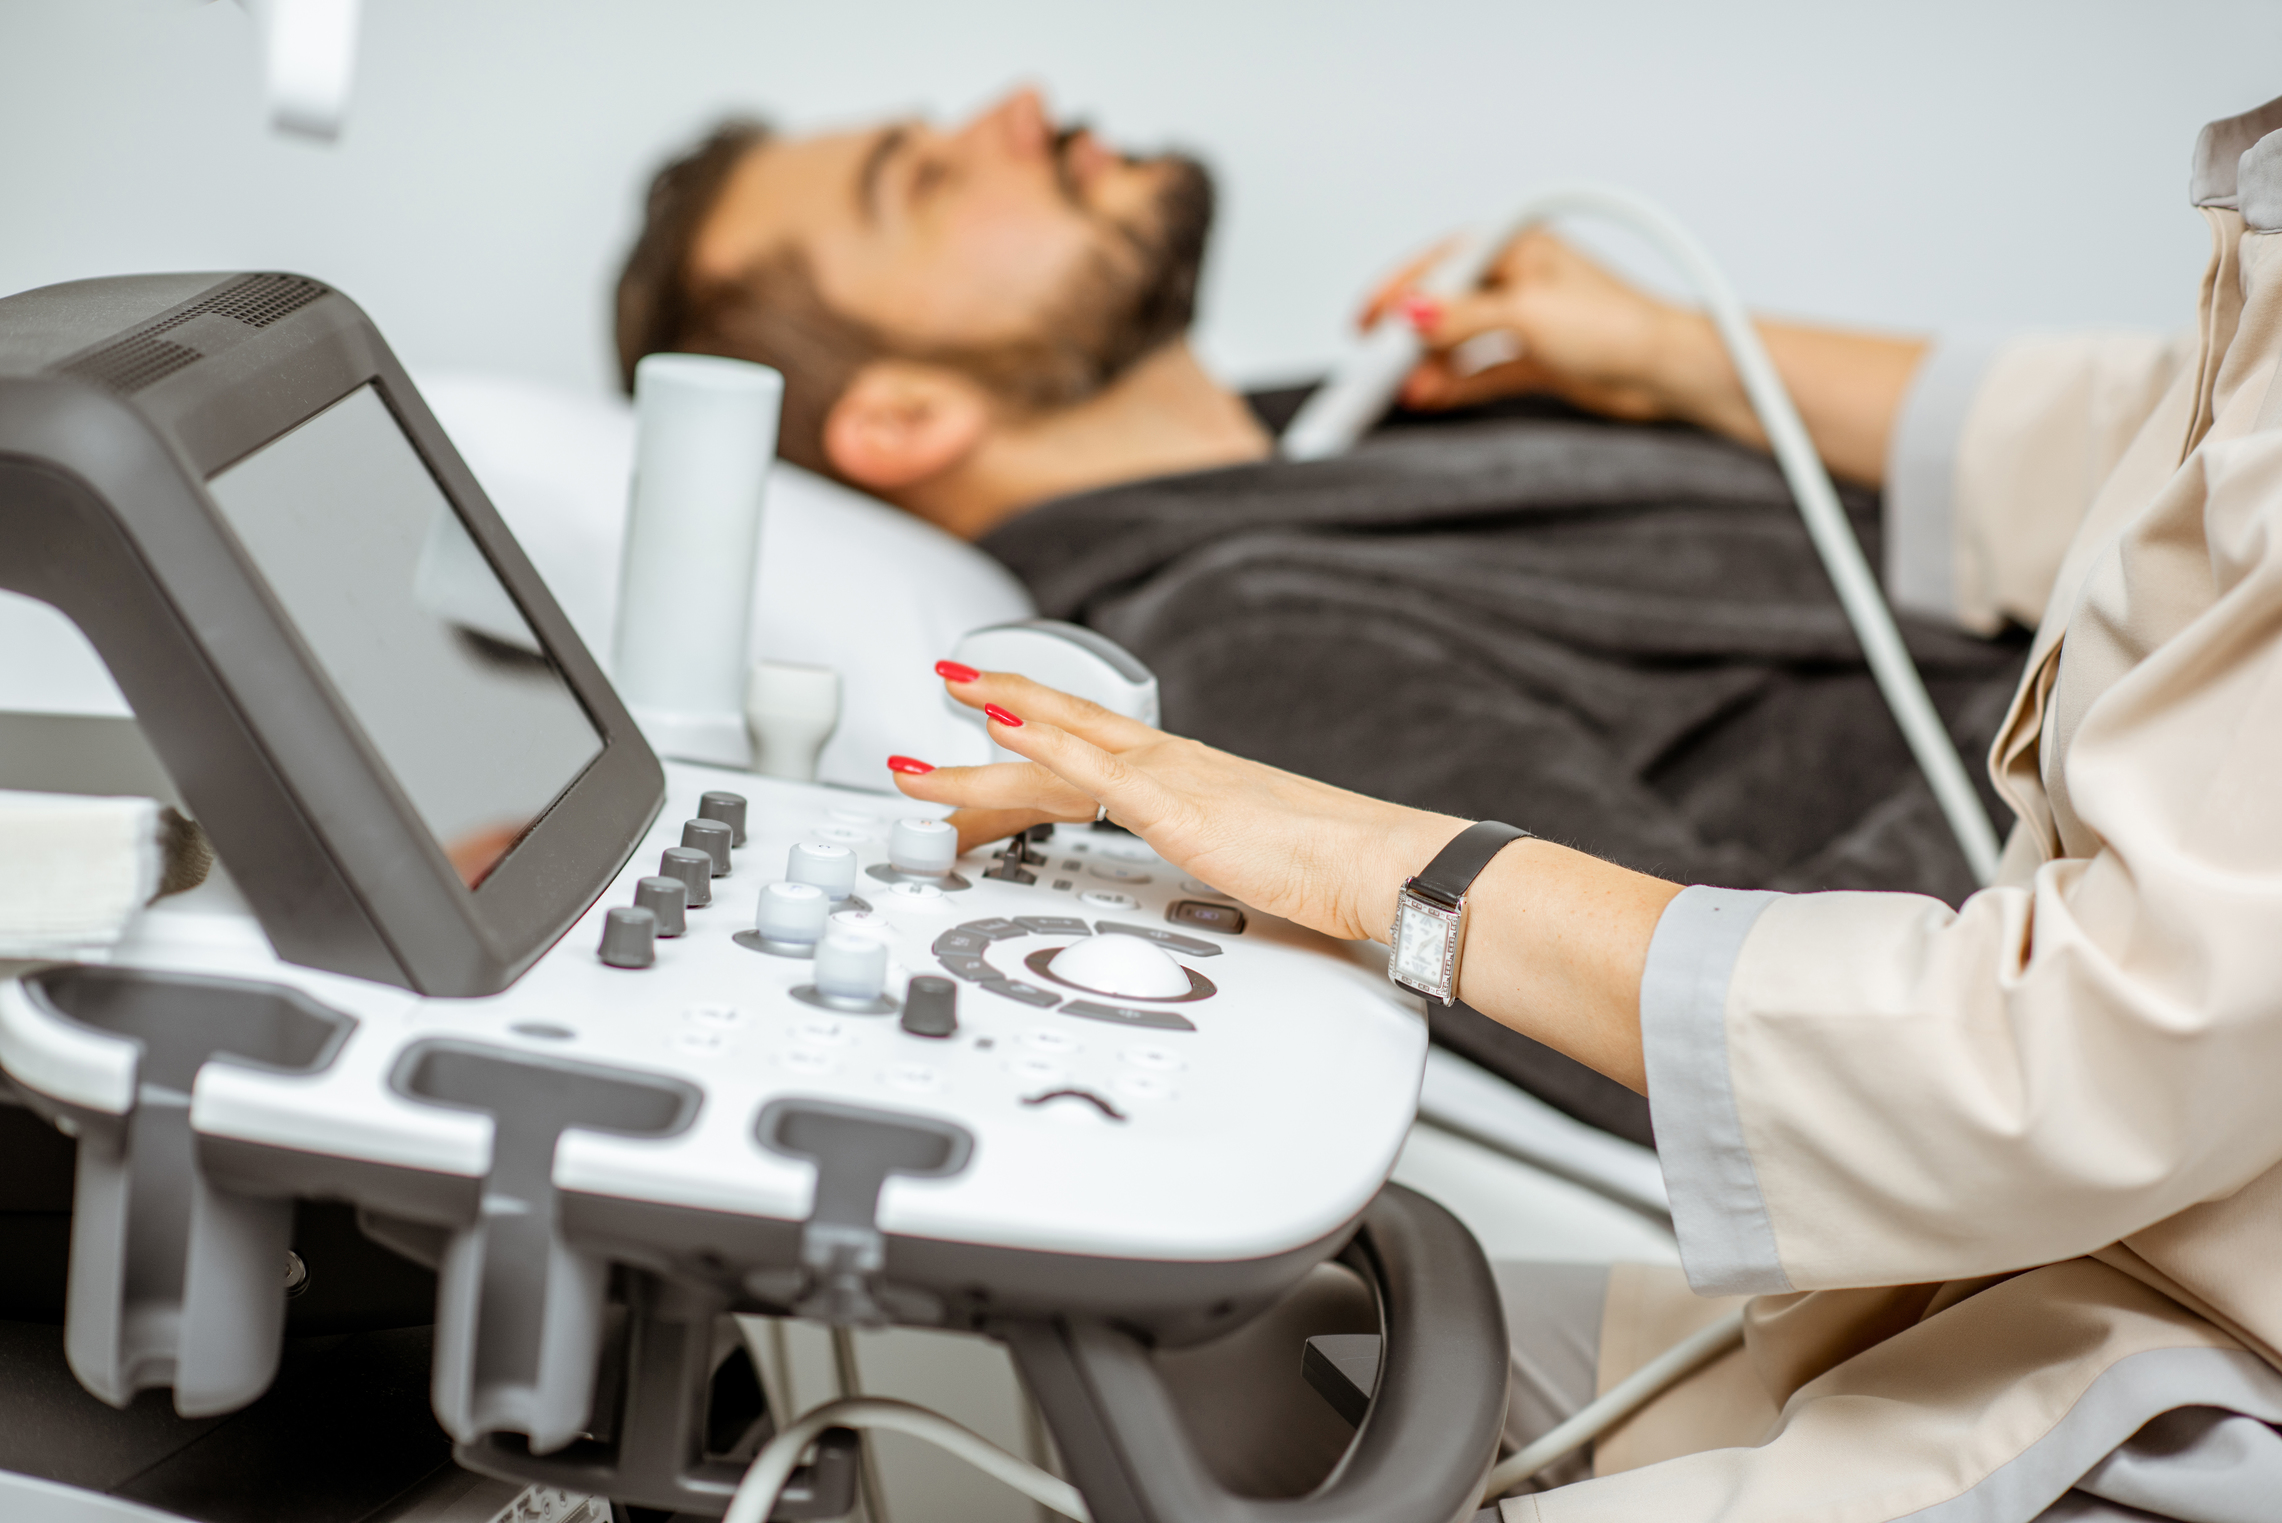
174 1279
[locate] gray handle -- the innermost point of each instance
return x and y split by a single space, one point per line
1425 1445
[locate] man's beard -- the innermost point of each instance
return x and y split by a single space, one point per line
1134 294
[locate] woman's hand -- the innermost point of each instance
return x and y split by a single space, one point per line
1321 856
1557 939
1545 318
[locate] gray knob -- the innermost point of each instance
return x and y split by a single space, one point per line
629 937
850 969
931 1006
694 867
792 914
666 898
831 868
713 838
922 848
728 808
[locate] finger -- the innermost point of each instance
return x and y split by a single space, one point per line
1080 716
1436 384
1009 786
979 827
1446 322
1134 798
1395 287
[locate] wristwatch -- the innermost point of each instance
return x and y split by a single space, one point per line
1430 913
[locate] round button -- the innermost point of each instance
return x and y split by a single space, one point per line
1116 874
824 1033
1145 1087
803 1060
714 1015
791 913
862 923
827 864
1103 899
1036 1070
921 898
923 847
1159 1059
1047 1040
916 1077
850 965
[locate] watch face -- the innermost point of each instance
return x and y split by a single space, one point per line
1423 941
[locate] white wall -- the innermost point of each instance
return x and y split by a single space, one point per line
1943 162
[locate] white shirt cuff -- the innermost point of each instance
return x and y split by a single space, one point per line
1921 474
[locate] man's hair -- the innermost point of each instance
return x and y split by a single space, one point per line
774 313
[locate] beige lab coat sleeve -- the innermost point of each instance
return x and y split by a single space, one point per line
1858 1089
1999 449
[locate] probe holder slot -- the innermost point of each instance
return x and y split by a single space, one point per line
662 1424
174 1279
519 1310
855 1150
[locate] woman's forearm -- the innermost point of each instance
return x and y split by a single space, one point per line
1555 944
1848 387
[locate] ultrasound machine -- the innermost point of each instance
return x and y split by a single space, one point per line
617 1047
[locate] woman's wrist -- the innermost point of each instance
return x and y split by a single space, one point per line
1404 846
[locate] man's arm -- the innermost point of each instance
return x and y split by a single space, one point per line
1612 348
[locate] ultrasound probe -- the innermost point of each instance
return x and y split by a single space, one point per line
1363 386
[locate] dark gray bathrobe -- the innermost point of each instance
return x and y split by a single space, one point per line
1619 638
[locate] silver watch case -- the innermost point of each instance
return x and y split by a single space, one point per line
1423 945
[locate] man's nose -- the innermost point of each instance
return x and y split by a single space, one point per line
1016 126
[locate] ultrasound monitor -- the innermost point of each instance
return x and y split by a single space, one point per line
410 764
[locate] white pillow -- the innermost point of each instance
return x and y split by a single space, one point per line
845 580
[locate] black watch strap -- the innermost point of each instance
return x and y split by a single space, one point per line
1456 866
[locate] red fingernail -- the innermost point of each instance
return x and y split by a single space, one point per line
910 765
1012 721
951 671
1421 312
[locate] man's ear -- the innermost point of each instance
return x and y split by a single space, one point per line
899 424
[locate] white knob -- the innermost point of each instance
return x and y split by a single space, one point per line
849 968
831 868
923 848
1124 965
793 913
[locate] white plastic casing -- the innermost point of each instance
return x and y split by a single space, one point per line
1264 1128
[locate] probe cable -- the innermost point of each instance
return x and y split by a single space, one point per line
1623 1399
765 1479
1338 415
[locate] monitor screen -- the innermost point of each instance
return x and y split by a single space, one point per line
412 626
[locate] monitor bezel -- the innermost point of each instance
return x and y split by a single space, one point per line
303 810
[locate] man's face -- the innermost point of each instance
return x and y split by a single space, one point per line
1003 230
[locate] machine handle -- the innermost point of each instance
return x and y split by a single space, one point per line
1425 1445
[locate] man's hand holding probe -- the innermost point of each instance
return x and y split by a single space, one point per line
1557 939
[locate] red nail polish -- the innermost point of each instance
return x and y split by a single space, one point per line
1011 721
911 766
951 671
1421 312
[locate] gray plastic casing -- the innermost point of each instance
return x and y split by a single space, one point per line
119 398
